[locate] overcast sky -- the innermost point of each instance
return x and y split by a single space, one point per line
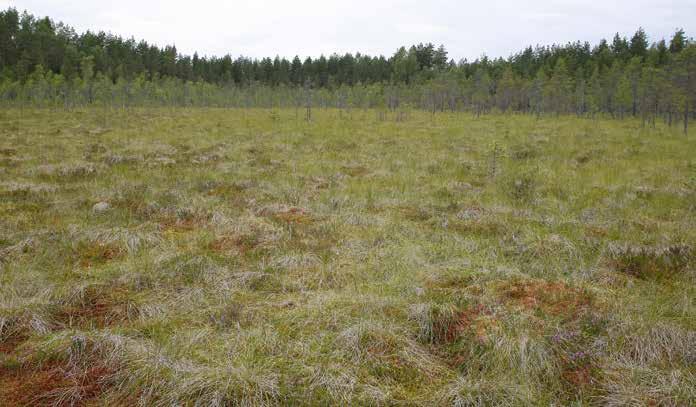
468 29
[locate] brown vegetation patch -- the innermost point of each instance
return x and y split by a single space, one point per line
456 333
473 321
552 298
580 371
578 377
220 188
289 215
9 344
480 227
596 231
241 244
225 190
97 307
96 253
179 225
182 221
294 215
53 384
317 183
415 214
8 151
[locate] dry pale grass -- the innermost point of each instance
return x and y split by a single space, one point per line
207 257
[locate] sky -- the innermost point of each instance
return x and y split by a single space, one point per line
468 29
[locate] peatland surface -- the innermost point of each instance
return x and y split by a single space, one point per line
248 257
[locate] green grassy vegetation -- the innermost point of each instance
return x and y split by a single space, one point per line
247 257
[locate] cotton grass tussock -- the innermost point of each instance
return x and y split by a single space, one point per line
16 249
66 172
659 344
635 386
22 188
477 393
131 241
649 262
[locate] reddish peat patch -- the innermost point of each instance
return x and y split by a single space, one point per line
99 307
415 214
294 215
91 254
11 343
465 321
479 227
578 376
183 220
241 244
53 384
180 225
580 372
552 298
288 215
455 334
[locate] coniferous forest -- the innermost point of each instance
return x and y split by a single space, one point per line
43 62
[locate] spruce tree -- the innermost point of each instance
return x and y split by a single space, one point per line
678 42
639 44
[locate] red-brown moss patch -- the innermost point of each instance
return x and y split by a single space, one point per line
241 244
53 384
98 307
8 345
96 253
551 298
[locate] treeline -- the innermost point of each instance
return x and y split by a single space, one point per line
27 42
48 63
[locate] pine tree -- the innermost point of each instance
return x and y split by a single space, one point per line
685 79
661 54
633 74
537 98
9 26
678 42
649 94
557 92
405 65
623 98
580 92
440 58
296 74
505 92
620 48
594 93
482 91
639 44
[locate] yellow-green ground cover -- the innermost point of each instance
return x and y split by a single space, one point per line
247 257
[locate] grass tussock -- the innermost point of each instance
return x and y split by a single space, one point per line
650 262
